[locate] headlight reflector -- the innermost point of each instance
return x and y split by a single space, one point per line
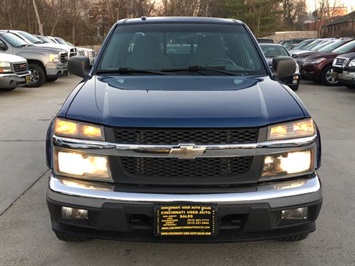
287 163
80 165
54 57
69 128
296 129
319 60
5 67
352 63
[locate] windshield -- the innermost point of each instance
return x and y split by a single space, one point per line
302 44
313 44
29 37
179 47
60 40
271 51
45 39
331 46
14 40
346 48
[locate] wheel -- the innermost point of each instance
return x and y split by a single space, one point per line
51 79
327 77
38 75
294 238
226 60
70 238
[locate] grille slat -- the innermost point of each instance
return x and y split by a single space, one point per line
20 68
197 168
178 136
340 61
64 57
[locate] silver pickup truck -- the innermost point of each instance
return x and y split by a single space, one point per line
13 72
45 64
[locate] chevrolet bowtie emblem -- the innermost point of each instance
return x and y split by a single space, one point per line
187 151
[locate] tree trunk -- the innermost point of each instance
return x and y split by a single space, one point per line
40 25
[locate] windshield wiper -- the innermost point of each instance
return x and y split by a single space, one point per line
198 68
129 70
24 45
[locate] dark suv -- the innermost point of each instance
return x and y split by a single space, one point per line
180 131
318 67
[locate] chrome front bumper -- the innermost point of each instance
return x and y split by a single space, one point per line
276 194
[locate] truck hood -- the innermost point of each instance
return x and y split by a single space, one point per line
38 49
183 101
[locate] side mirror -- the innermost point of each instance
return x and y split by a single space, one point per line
79 66
283 66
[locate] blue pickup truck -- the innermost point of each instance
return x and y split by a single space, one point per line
180 131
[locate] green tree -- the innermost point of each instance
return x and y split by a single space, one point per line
262 16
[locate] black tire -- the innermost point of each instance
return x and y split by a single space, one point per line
294 87
326 77
38 75
8 89
70 238
294 238
350 86
51 79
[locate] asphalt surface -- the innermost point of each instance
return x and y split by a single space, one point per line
26 237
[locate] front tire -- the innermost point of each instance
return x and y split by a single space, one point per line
350 86
51 79
294 87
8 89
38 75
327 78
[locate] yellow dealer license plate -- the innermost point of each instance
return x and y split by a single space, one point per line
28 79
185 220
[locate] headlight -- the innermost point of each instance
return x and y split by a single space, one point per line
295 129
5 64
5 67
74 129
352 63
287 164
319 60
81 165
54 57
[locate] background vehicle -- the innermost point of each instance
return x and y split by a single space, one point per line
300 45
326 48
13 72
319 67
344 69
45 64
288 44
309 47
273 50
27 37
201 145
89 53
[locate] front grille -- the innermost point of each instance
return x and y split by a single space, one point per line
21 68
64 57
73 52
197 168
340 61
178 136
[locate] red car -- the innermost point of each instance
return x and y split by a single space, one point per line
318 67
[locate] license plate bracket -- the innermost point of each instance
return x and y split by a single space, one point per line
185 220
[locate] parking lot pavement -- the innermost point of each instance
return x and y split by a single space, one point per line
24 116
26 237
